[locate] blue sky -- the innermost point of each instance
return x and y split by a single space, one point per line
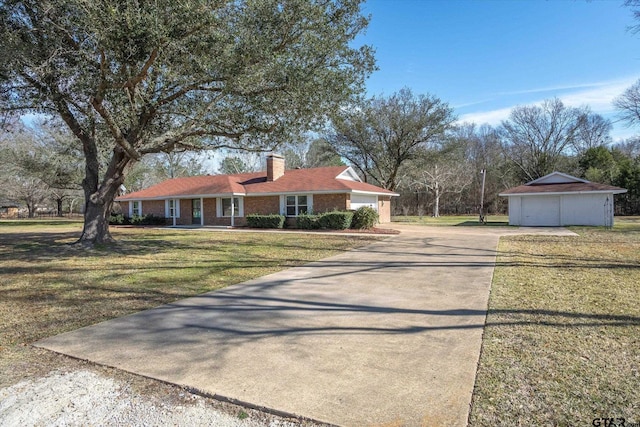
485 57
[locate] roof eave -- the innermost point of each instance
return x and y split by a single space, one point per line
559 193
256 194
180 196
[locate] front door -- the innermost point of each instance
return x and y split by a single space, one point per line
196 211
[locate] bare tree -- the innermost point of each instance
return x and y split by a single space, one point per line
628 104
444 177
593 131
629 147
537 137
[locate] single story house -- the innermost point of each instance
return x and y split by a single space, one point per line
226 200
8 210
559 199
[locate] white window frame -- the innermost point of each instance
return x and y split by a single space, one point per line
356 201
284 206
132 208
239 207
168 208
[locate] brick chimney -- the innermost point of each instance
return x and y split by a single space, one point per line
275 166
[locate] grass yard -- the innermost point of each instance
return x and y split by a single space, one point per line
460 220
562 341
49 287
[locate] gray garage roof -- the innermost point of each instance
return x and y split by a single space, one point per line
560 183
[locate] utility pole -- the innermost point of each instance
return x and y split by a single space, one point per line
482 219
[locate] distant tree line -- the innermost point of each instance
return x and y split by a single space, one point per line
131 96
407 143
411 144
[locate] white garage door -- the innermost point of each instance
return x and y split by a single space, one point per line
541 211
359 200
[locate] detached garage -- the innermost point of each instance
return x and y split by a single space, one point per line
559 199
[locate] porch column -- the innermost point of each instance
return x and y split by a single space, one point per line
233 210
201 211
175 211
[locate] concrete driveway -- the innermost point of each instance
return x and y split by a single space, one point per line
389 334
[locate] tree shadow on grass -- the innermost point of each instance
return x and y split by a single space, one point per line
235 316
56 245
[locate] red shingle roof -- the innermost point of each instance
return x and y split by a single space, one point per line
315 180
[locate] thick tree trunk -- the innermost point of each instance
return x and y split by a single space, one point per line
59 203
96 224
99 199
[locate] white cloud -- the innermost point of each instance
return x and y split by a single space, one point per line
598 96
553 88
493 117
600 99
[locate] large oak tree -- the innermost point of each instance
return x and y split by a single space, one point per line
135 77
379 135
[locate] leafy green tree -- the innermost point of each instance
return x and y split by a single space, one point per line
599 165
155 168
232 165
381 134
629 147
615 167
320 153
311 153
134 78
629 178
294 156
40 165
20 173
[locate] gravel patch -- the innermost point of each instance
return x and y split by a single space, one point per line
83 397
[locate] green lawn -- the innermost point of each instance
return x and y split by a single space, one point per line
461 220
49 287
562 341
561 345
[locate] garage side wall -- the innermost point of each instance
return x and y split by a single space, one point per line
515 212
585 209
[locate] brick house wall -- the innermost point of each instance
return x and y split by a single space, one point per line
329 202
209 211
262 205
153 207
384 209
185 212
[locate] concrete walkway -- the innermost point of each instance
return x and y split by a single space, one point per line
389 334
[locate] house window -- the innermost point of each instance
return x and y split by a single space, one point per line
224 206
172 209
136 209
296 205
